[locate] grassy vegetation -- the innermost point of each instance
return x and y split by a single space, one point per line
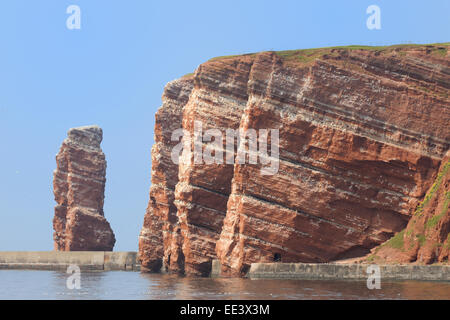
446 203
307 55
397 242
433 189
447 243
441 51
435 219
290 53
231 56
421 238
409 233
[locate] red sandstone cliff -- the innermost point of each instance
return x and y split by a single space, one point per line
426 239
362 133
160 222
79 185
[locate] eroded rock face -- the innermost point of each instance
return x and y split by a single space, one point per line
79 186
426 239
159 237
361 137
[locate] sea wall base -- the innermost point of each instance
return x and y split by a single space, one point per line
60 260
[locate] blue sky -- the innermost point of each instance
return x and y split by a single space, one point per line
112 73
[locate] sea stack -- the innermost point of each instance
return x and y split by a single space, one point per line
79 187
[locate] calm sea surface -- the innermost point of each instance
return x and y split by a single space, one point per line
20 284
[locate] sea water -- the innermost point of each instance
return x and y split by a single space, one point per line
34 284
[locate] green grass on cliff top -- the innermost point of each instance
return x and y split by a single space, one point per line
306 55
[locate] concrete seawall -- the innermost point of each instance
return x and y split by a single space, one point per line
60 260
107 260
346 271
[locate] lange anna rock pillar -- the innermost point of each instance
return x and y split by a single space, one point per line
79 187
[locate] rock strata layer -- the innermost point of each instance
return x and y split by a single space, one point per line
362 134
79 186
